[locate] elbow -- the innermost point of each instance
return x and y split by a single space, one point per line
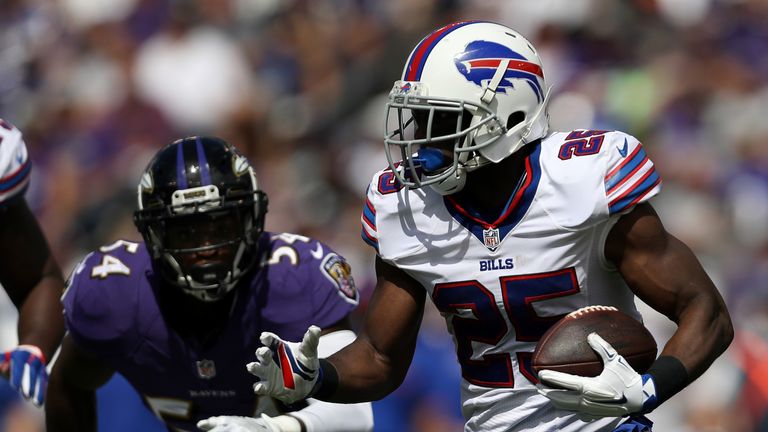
724 329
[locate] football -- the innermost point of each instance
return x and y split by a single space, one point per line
564 346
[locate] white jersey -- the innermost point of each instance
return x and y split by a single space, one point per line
501 284
14 163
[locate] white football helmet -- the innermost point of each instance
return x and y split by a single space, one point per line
471 93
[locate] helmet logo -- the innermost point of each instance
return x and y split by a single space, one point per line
206 369
146 184
480 59
240 165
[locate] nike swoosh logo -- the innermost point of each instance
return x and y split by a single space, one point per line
623 150
318 252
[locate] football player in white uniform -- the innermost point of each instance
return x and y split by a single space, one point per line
518 227
28 273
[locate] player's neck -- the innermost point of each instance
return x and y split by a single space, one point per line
489 188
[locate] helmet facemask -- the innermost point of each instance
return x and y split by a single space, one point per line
436 139
205 239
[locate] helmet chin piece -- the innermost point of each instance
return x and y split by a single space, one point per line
451 184
520 134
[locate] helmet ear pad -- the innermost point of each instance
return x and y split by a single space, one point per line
201 214
515 118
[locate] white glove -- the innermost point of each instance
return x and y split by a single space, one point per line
234 424
618 391
250 424
286 370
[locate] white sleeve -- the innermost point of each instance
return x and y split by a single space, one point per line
14 162
631 176
322 416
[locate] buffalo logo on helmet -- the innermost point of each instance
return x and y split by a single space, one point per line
480 59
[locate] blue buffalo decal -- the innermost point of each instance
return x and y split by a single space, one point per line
480 59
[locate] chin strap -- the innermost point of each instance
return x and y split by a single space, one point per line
490 91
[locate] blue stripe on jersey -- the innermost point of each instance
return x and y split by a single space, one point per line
368 214
368 239
14 179
628 167
632 195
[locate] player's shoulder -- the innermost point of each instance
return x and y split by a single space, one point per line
105 290
14 162
306 265
123 259
386 195
588 145
295 250
579 169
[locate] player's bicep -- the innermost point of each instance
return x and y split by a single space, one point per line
659 268
79 369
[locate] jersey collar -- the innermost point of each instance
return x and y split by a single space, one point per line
492 233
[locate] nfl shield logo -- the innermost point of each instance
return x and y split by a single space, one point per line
206 369
491 238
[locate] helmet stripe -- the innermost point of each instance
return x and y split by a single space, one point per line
205 176
518 65
181 175
419 57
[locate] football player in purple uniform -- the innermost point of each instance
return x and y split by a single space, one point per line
519 226
28 273
179 314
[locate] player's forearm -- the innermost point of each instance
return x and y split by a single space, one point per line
704 332
41 322
359 373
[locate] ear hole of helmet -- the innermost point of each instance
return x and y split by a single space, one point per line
515 118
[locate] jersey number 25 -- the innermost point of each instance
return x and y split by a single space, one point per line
489 327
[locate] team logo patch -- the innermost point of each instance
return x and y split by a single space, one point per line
206 369
480 59
338 271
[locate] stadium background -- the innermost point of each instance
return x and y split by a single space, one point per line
299 85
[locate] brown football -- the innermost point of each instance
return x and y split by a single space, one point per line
564 346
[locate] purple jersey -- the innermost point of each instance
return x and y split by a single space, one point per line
112 311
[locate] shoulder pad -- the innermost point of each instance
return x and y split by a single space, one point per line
592 175
103 296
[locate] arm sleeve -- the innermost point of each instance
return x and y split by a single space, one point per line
322 416
631 177
368 220
15 166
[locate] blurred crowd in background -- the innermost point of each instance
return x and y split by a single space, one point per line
299 85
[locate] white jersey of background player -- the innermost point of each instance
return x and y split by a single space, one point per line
501 285
14 162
